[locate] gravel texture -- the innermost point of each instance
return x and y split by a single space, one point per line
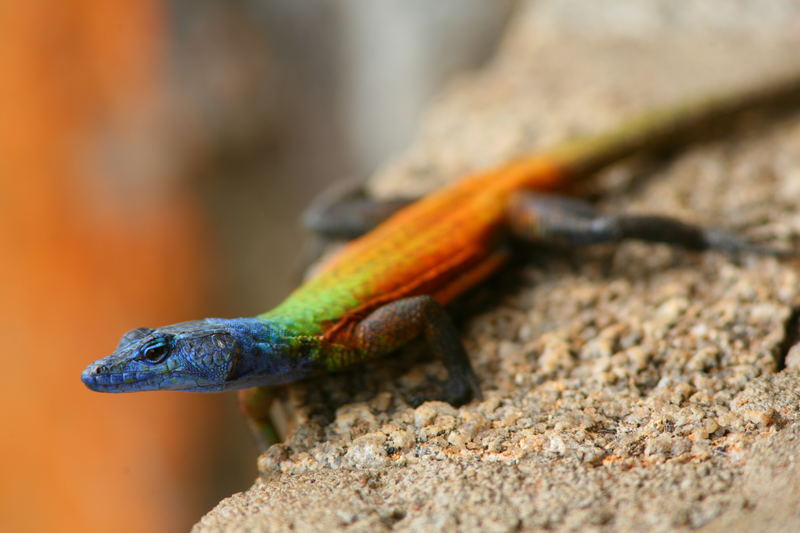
630 388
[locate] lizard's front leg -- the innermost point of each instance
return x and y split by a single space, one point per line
344 211
255 403
395 324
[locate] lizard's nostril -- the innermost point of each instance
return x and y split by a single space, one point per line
100 369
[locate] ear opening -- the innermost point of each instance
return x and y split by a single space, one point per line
233 363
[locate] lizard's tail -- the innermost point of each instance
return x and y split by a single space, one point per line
676 125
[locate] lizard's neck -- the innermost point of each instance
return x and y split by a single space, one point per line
272 353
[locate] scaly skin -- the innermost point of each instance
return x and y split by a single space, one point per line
383 288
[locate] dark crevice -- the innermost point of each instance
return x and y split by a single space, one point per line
791 336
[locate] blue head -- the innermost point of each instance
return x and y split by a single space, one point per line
209 355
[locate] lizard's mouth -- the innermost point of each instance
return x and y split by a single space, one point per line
100 378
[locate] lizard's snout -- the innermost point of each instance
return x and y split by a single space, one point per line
95 376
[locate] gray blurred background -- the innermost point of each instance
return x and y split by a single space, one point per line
283 98
275 100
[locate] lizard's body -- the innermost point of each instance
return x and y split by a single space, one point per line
441 245
388 286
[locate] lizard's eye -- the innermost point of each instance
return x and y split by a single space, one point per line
156 352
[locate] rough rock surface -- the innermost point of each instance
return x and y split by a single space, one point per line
635 388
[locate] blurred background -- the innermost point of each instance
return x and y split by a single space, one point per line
155 156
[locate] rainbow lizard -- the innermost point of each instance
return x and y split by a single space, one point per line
392 284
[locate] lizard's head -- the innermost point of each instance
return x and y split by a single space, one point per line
208 355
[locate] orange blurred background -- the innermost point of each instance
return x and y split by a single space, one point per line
154 159
85 256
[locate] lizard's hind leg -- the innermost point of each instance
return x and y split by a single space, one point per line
567 221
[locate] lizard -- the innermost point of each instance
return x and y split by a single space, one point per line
391 285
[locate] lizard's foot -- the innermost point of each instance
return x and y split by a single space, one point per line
456 390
